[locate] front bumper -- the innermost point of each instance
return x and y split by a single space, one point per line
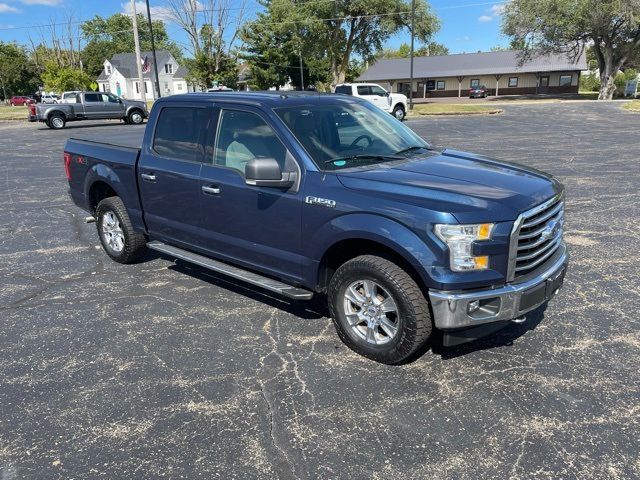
451 310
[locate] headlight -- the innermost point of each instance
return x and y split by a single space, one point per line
459 239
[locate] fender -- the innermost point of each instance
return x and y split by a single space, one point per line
135 107
103 173
415 250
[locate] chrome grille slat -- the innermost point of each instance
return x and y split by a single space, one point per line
546 216
541 259
536 235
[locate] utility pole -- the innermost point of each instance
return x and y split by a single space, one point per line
413 17
301 71
153 50
141 83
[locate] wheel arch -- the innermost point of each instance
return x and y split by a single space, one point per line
51 113
344 250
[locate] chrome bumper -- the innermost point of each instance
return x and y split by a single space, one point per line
467 309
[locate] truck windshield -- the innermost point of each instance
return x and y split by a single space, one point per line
344 135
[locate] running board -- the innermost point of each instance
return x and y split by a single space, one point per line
231 271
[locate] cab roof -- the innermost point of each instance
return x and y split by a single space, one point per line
269 98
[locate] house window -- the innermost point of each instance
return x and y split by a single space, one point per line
513 81
108 69
166 87
179 86
168 68
475 82
565 80
440 85
137 87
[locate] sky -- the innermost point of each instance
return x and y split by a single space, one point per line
466 25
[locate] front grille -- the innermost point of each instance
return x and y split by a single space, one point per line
536 235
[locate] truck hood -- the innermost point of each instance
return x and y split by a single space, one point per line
471 187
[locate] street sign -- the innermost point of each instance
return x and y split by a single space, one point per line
632 87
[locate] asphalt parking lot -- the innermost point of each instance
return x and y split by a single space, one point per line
161 370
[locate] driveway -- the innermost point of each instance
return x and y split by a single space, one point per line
160 370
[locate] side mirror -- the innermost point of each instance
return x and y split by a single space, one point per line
266 172
386 94
120 100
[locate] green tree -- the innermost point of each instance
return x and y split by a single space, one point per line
114 34
18 74
612 27
60 79
333 30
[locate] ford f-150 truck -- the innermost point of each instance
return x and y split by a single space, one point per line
305 193
394 103
88 106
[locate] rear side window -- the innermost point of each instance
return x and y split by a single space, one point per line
92 97
364 90
344 89
179 133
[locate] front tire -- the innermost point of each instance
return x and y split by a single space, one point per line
119 240
399 113
378 310
135 117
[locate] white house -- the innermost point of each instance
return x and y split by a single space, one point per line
120 75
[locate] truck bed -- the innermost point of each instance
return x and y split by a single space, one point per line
131 138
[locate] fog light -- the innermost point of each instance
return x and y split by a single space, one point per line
473 306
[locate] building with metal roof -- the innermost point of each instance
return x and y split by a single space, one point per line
501 72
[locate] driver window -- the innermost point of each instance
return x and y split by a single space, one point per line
243 136
376 90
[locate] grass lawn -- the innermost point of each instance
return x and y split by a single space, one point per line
452 109
13 113
633 106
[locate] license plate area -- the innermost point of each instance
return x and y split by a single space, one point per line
540 293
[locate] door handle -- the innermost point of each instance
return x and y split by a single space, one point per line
210 190
149 177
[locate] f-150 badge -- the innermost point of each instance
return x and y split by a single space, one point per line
323 202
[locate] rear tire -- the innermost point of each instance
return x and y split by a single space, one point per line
119 239
378 310
56 122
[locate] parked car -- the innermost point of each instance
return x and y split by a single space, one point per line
221 88
69 97
478 92
311 193
394 103
89 106
49 99
18 100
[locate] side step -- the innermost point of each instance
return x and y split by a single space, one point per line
235 272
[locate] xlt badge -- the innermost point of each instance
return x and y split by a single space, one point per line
324 202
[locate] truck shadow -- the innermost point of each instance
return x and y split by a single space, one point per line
90 125
502 338
313 309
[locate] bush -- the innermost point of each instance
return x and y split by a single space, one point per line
590 83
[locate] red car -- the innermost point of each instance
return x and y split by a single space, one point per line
478 92
19 100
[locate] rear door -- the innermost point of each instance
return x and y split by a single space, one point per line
259 227
169 173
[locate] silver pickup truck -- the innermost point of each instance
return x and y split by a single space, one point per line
89 106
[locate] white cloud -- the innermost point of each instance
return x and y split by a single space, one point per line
485 18
497 9
157 13
4 8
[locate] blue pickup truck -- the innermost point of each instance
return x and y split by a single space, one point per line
306 193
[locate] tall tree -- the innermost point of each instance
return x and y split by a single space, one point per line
18 73
612 27
114 34
337 29
212 27
404 51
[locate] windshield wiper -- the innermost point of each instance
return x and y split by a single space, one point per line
411 149
364 156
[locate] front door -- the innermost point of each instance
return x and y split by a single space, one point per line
259 227
169 174
373 94
544 85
